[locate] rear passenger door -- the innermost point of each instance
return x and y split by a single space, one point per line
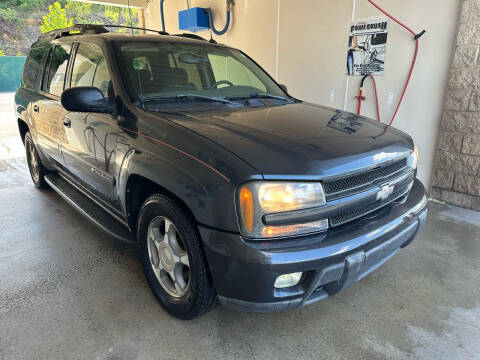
92 138
48 113
27 95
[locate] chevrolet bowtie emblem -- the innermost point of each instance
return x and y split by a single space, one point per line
385 192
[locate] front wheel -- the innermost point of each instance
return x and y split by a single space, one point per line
173 259
37 170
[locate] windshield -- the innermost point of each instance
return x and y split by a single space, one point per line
169 70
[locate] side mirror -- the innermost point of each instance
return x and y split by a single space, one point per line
86 99
284 88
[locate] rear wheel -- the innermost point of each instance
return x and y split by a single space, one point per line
37 170
173 259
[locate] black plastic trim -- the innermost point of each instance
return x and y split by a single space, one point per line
109 225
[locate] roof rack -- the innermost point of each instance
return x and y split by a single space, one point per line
136 28
194 36
76 29
85 29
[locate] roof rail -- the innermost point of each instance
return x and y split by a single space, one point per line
194 36
76 29
84 29
136 28
190 36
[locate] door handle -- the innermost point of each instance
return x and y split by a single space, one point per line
36 108
67 122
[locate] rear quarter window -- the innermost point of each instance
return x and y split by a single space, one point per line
54 78
33 65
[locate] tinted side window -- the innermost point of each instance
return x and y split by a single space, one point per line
54 78
32 65
90 68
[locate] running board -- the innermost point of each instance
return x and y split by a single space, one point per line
93 212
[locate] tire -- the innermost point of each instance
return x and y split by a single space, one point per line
166 234
37 170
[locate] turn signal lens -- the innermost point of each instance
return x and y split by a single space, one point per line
298 229
247 207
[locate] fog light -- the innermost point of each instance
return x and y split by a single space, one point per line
287 280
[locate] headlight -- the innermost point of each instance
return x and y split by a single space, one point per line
413 158
258 199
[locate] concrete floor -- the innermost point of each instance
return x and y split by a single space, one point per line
68 291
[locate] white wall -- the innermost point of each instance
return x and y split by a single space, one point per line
304 42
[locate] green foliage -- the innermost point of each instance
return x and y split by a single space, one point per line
121 16
56 18
79 12
112 14
8 14
129 16
30 5
23 5
2 53
64 13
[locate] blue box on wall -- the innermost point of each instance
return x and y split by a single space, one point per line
194 19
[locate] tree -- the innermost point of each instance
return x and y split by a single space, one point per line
81 12
8 14
31 5
2 53
56 18
112 14
129 16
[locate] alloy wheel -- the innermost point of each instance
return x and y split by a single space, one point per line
32 161
168 257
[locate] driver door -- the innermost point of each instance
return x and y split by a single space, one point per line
92 137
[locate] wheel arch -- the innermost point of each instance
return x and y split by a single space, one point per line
23 128
138 189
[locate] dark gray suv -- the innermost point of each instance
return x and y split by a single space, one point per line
231 188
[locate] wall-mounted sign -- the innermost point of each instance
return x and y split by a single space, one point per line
367 44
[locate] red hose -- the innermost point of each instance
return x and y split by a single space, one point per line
414 57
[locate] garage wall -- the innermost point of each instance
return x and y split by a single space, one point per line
303 44
456 177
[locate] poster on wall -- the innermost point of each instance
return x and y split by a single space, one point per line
367 44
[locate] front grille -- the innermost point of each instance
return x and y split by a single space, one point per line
401 188
356 183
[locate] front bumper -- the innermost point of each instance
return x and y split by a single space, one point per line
244 272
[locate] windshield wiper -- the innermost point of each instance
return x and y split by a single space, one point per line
190 96
258 95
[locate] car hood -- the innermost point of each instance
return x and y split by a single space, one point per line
300 140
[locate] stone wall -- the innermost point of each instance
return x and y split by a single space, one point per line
456 178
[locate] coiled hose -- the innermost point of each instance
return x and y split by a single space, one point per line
227 22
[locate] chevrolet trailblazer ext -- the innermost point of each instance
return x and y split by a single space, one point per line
231 188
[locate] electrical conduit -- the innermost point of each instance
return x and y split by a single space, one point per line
162 16
227 22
